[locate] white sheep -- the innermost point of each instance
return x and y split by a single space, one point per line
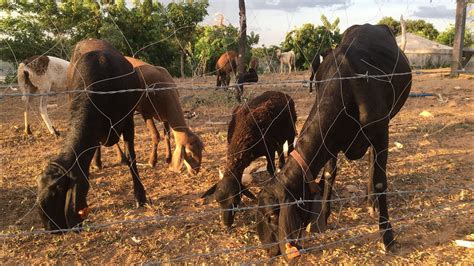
287 58
41 74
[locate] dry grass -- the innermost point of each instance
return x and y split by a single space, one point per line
437 154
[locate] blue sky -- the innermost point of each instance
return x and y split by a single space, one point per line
272 19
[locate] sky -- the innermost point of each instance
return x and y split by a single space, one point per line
272 19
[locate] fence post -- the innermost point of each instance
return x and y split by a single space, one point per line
458 37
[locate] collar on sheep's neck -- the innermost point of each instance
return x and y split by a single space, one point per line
310 179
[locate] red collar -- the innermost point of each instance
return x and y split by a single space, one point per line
307 174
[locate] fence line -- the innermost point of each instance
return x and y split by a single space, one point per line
160 218
273 83
313 237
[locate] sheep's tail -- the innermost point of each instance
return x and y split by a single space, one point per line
23 75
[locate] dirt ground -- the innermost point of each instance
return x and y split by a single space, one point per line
430 179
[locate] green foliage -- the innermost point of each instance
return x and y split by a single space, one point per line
417 26
147 29
447 37
309 40
212 41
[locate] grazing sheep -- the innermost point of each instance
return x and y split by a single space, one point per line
164 106
96 119
258 128
287 58
41 74
350 116
226 64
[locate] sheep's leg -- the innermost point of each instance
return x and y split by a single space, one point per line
120 155
167 132
128 138
329 176
44 114
271 162
289 68
25 114
311 81
281 67
379 178
155 138
371 202
281 157
96 160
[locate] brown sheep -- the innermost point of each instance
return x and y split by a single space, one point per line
226 64
258 128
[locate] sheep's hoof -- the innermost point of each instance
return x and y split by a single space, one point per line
152 162
393 248
168 160
55 132
28 130
140 204
124 161
96 166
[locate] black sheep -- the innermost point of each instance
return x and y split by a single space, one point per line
350 115
258 128
96 119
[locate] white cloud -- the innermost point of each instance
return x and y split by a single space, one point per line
434 12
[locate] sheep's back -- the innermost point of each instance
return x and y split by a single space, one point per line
271 114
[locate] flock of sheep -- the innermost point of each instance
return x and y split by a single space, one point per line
360 86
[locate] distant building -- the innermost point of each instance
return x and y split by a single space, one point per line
424 53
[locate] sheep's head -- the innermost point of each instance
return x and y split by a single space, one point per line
278 52
61 198
188 152
279 218
227 192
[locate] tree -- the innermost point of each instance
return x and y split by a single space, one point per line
182 20
418 26
393 24
447 37
310 40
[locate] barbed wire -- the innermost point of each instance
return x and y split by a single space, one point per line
151 87
160 218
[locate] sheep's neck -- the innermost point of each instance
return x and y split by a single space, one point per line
315 145
237 165
78 150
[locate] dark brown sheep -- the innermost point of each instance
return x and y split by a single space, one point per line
258 128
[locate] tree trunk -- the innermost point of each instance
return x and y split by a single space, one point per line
182 63
404 34
242 45
458 37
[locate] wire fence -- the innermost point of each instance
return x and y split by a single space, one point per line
153 87
161 218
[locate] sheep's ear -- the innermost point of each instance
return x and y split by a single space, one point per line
208 196
247 193
178 159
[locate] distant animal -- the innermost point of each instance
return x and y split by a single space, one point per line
349 116
315 65
226 64
164 106
250 76
258 128
41 74
287 58
96 119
